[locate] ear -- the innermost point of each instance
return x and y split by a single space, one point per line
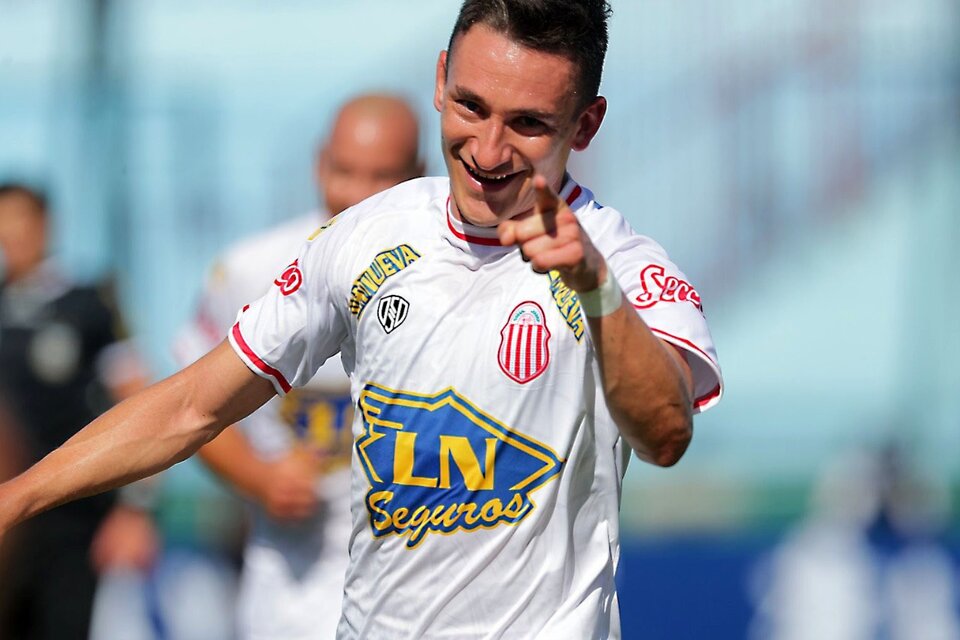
589 123
441 81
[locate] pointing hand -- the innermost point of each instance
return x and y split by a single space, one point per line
550 237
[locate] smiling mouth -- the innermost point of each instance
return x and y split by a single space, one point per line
488 179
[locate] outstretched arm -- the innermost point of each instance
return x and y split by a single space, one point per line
647 382
155 429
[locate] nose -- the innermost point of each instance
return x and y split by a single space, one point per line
489 149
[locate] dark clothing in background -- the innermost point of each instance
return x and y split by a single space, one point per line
52 336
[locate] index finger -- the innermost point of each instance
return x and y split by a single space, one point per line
547 199
547 204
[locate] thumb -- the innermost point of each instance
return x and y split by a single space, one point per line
507 233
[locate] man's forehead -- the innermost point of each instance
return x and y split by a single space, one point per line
386 129
485 59
376 149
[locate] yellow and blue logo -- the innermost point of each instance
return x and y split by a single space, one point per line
567 303
385 265
438 464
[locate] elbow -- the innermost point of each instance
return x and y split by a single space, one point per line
665 439
669 452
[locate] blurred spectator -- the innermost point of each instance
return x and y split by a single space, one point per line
63 360
867 563
292 457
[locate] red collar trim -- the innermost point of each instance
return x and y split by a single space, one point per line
494 241
487 241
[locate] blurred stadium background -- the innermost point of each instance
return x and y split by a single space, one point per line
799 158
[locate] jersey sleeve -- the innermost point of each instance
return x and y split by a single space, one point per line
667 302
289 333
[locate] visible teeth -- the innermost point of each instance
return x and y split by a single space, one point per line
487 176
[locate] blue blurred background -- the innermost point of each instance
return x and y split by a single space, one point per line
799 158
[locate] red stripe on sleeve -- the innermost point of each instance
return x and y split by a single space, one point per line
705 399
255 359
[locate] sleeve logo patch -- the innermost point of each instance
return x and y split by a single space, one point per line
385 264
391 312
290 280
658 287
524 343
438 464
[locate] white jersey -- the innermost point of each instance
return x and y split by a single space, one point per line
487 470
292 582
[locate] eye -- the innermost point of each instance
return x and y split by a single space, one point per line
469 105
530 126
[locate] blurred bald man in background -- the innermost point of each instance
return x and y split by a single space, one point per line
291 459
373 145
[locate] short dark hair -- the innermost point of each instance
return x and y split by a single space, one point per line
575 29
34 194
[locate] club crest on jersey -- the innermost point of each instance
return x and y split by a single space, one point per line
439 464
291 279
391 312
524 343
385 265
659 287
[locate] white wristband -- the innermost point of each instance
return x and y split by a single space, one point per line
603 300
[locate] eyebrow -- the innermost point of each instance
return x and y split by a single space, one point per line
462 93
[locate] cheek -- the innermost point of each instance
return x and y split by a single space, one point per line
333 183
336 191
548 157
539 155
453 130
18 239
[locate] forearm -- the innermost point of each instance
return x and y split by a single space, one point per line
646 383
133 440
140 436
